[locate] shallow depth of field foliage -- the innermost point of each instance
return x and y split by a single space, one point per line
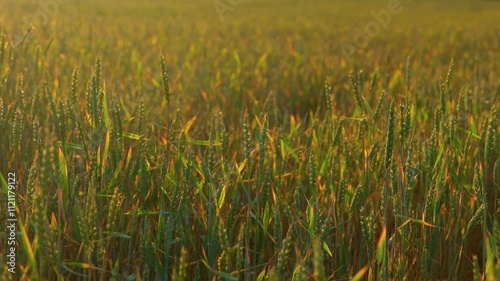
153 140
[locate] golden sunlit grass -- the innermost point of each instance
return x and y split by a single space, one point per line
154 141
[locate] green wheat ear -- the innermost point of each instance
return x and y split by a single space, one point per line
408 73
329 101
2 48
341 195
338 131
490 139
114 209
476 271
475 220
17 130
74 88
390 137
240 249
247 139
284 252
373 82
319 269
300 272
449 74
164 78
379 105
2 112
477 184
355 88
183 265
224 259
367 230
44 235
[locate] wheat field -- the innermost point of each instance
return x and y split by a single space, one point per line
249 140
